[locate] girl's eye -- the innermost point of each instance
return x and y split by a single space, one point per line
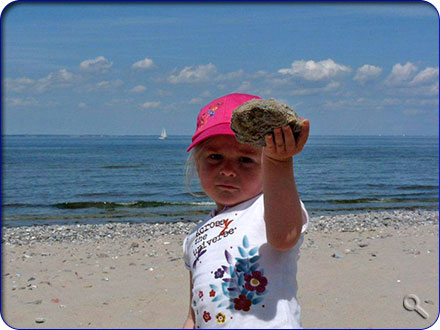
246 160
215 156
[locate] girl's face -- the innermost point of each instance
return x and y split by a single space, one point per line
229 172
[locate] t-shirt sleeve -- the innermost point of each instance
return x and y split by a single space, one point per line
186 254
305 218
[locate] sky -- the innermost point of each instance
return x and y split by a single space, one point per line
131 69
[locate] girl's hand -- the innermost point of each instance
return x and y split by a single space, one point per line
281 146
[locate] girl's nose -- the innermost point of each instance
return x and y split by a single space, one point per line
228 169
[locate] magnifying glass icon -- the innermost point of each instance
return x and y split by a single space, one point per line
412 303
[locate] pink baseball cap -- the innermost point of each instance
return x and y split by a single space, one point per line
215 117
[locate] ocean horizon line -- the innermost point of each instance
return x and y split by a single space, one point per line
189 135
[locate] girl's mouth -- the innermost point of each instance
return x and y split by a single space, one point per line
227 187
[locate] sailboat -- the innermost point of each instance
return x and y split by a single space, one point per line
163 135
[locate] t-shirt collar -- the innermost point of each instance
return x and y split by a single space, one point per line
214 212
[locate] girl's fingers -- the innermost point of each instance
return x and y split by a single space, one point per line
269 142
304 135
289 139
279 140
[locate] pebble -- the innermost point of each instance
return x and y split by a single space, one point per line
140 233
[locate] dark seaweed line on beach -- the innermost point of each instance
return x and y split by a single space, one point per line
154 204
103 205
192 215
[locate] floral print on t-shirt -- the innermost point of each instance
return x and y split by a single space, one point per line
243 284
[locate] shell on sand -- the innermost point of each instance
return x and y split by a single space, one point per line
253 120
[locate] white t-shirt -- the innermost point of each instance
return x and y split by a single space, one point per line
239 280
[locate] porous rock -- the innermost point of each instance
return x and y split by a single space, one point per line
253 120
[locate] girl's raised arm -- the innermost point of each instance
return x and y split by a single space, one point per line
282 207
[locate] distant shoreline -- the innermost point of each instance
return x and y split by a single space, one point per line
189 135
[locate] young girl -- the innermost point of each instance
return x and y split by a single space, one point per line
242 259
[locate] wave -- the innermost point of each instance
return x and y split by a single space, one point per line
119 167
23 205
108 194
375 200
405 187
418 187
113 205
371 208
410 200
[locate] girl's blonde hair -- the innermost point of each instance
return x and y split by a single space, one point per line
191 168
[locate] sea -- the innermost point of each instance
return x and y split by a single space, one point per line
58 179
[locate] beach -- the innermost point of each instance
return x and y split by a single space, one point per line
354 272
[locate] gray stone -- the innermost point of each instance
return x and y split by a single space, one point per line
253 120
40 320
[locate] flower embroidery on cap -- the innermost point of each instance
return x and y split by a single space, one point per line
210 113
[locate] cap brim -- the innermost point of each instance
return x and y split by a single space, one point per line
221 129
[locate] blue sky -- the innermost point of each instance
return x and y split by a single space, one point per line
134 68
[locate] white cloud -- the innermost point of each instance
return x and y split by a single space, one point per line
413 112
59 79
197 74
429 75
230 76
434 101
164 93
391 101
104 85
196 100
64 75
119 102
401 74
150 105
18 84
21 102
145 64
138 89
423 90
99 64
331 86
433 90
245 86
314 71
260 75
367 72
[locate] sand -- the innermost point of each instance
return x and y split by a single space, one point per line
142 283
